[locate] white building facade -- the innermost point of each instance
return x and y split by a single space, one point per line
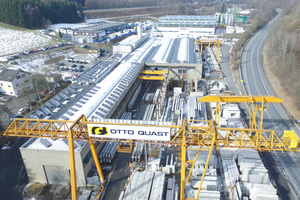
15 82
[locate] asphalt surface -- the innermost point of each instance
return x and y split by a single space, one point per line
13 176
275 117
118 179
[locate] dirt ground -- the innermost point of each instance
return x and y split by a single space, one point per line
275 83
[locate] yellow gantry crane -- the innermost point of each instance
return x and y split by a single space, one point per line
197 135
208 42
153 75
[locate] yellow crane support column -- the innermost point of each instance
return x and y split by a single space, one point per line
72 166
183 157
97 162
213 138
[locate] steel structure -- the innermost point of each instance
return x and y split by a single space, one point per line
198 135
154 78
208 42
158 72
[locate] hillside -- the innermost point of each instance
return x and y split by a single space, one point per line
282 57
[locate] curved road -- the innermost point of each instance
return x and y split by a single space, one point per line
275 117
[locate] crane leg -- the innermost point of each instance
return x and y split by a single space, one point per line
72 166
97 162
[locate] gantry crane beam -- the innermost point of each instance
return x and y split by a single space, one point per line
153 78
202 134
255 103
198 135
154 72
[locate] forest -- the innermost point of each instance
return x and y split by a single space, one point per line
36 13
107 4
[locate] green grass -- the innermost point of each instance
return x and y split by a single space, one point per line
8 26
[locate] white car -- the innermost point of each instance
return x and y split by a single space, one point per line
22 111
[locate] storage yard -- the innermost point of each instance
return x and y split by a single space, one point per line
137 104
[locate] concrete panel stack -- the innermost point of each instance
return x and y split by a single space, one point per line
156 96
139 186
170 165
260 191
211 195
209 183
157 189
170 192
137 152
231 172
253 182
108 152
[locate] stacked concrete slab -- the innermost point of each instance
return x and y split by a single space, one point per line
139 185
245 175
145 185
210 187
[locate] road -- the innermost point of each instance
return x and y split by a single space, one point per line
275 117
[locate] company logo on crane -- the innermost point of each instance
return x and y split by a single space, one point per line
129 132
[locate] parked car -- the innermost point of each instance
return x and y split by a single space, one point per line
4 98
21 111
45 91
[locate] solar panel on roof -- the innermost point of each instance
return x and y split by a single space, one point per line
69 113
117 93
39 113
90 92
124 82
117 89
67 91
93 90
73 109
64 96
129 76
72 90
115 96
64 117
84 99
58 98
77 105
46 110
66 141
56 103
49 105
80 101
99 114
97 87
106 106
87 95
45 142
103 110
74 87
109 102
121 86
112 99
80 142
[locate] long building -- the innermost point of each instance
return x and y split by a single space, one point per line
102 92
193 25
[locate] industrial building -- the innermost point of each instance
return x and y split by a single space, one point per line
103 91
148 80
90 32
194 26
